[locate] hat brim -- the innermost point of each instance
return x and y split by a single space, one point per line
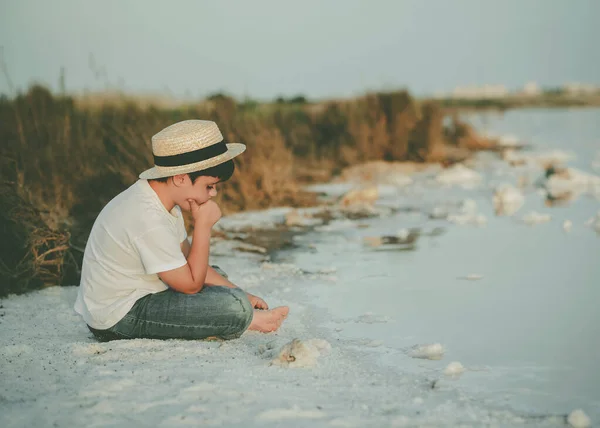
233 150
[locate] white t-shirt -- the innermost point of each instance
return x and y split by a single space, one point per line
133 238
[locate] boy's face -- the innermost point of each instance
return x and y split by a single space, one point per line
201 190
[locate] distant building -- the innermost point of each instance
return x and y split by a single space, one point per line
576 88
531 89
480 92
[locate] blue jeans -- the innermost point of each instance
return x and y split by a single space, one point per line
213 312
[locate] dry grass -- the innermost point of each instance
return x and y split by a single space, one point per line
68 159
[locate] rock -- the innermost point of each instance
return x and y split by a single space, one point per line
454 369
439 213
433 351
594 222
468 214
535 218
567 225
360 210
507 200
570 181
402 234
301 353
578 419
362 196
458 175
509 141
404 237
250 248
295 218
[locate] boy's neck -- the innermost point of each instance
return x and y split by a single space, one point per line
162 191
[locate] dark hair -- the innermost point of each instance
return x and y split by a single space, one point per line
222 171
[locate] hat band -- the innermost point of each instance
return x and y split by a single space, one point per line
191 157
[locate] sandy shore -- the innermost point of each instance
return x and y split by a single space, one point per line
417 311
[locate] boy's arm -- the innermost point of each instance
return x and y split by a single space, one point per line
191 277
214 278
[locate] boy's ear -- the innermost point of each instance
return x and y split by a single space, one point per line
180 179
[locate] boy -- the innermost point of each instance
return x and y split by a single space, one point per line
141 278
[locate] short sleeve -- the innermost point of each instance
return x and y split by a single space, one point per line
181 227
160 250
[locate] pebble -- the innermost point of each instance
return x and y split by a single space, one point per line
578 419
454 369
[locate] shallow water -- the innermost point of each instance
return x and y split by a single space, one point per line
528 331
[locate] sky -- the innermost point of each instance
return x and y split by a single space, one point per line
321 49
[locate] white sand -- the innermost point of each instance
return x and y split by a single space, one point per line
528 335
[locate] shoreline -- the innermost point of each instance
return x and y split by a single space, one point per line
413 327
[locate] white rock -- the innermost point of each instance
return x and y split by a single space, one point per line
554 157
578 419
439 213
433 351
508 141
462 219
573 182
402 234
467 214
507 200
535 218
366 196
567 225
454 369
594 222
458 175
301 353
302 219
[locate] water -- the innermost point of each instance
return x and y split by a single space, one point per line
529 329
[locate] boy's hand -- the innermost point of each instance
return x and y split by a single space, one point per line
205 215
257 302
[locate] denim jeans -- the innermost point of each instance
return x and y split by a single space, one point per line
213 312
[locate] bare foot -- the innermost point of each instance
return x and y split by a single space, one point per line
267 321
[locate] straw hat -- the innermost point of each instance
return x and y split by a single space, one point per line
189 146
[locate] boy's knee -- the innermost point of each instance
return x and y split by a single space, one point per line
241 309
